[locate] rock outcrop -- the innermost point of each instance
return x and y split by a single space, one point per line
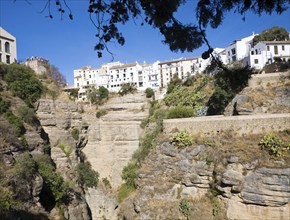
170 174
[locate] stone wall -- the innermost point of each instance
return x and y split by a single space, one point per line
243 124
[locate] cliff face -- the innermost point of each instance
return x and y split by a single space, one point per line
246 190
58 119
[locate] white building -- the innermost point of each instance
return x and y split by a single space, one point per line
151 71
8 52
182 67
239 49
265 52
37 64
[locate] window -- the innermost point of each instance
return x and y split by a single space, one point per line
87 82
275 50
0 46
234 51
256 61
234 58
252 52
7 47
78 84
7 59
283 48
268 48
0 57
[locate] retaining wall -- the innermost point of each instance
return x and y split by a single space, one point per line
268 78
243 124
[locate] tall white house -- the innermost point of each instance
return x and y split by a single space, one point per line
265 52
239 49
8 53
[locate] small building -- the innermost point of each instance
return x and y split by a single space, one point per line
38 64
8 52
266 52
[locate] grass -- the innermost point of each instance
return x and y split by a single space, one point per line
124 191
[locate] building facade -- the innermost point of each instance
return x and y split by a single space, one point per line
183 68
266 52
8 52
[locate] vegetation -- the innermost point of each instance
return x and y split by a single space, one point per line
274 145
106 183
73 94
26 114
227 83
272 34
127 88
181 112
178 35
75 133
101 113
181 139
86 176
66 149
22 82
54 184
174 83
184 207
97 96
149 92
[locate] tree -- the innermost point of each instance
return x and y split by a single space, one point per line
56 75
92 95
160 14
272 34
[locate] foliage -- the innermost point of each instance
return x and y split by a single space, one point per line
181 139
127 88
86 176
227 83
149 92
66 149
101 113
184 207
75 133
6 200
124 191
26 114
180 112
106 183
23 82
56 76
91 94
25 166
73 93
52 180
147 142
15 122
4 105
272 34
274 145
175 82
129 174
103 93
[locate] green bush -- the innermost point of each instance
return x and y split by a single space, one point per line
4 105
15 122
26 114
149 92
180 112
274 145
129 174
66 149
101 113
73 93
23 83
52 180
127 88
6 201
174 83
106 183
124 191
181 139
86 176
25 166
184 207
103 93
75 133
227 82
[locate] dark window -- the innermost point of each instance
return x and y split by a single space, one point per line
283 48
256 61
7 59
268 48
233 51
7 47
275 50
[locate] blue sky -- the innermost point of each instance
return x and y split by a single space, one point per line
70 44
